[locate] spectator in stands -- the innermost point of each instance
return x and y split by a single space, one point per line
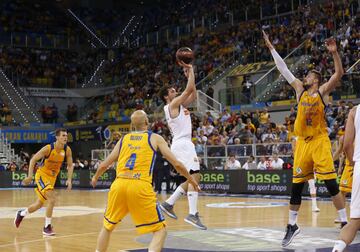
55 114
25 167
250 125
5 114
207 128
264 117
276 163
78 164
86 165
12 166
225 116
161 173
115 137
283 135
232 163
202 139
202 165
247 89
250 163
262 164
24 156
215 138
71 113
268 137
199 148
94 164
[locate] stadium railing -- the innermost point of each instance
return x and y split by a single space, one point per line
215 156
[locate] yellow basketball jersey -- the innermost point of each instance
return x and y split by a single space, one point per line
310 120
347 162
137 157
53 162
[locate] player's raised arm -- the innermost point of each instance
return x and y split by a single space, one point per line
106 163
350 136
339 71
192 96
189 94
283 69
161 144
42 153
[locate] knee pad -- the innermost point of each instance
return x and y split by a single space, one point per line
296 191
312 187
332 186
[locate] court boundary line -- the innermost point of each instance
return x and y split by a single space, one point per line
255 196
169 228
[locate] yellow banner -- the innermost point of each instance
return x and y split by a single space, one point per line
251 68
283 103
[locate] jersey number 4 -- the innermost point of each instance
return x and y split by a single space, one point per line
131 162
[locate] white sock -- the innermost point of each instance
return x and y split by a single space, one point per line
192 198
24 212
175 196
339 246
47 221
313 202
342 215
293 217
97 251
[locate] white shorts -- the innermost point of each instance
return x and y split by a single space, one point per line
184 151
355 193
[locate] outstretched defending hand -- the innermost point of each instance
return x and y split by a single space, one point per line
331 45
267 41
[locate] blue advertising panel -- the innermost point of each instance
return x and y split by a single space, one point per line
27 136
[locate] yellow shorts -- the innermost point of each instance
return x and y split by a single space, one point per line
346 179
313 156
44 183
137 198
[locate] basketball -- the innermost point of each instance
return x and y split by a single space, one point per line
185 54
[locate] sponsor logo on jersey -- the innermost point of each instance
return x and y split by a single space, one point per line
298 170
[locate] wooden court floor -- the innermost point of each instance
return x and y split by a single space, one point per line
78 219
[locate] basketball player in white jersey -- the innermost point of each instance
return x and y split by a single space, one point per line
179 122
352 152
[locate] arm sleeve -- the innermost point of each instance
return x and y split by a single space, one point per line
281 66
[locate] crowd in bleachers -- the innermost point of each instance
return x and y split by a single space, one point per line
49 114
47 67
245 43
154 65
5 114
34 18
141 71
